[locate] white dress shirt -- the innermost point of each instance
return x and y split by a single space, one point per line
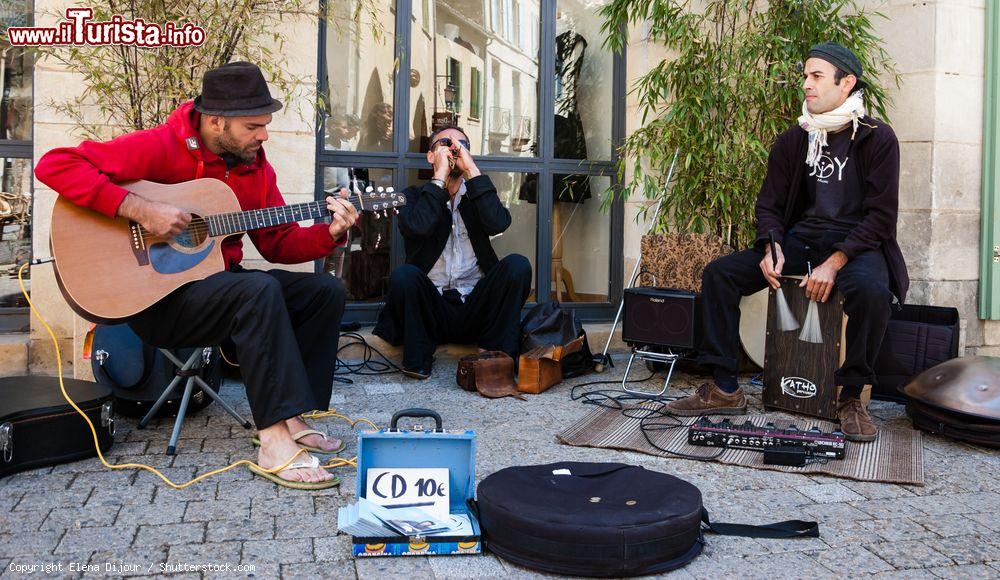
457 266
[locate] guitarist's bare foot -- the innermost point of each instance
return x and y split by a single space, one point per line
277 447
297 425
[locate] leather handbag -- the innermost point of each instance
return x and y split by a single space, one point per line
547 324
490 373
540 368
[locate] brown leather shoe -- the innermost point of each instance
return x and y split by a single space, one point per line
855 421
709 400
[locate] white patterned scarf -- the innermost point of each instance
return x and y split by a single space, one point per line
817 126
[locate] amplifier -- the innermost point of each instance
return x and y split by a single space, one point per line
705 433
661 317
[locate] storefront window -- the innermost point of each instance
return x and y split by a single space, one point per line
520 237
447 85
15 211
363 264
16 68
359 80
581 239
583 71
478 64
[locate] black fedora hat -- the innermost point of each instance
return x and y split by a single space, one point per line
237 89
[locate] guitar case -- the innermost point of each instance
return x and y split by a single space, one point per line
138 374
38 427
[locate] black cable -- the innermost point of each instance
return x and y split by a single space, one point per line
609 399
657 420
651 419
368 366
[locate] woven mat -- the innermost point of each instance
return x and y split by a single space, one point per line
895 457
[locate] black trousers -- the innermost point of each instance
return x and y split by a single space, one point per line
420 318
285 327
863 282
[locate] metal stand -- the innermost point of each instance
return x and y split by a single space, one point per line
645 355
189 370
605 358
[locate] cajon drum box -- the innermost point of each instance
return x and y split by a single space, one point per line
798 375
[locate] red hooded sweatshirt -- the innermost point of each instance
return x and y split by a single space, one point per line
171 153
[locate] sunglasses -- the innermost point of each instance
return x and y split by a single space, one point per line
448 142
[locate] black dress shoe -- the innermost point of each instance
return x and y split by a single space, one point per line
420 374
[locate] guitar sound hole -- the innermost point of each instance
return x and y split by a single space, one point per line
194 235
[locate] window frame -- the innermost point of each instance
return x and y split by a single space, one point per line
11 149
401 161
989 260
475 94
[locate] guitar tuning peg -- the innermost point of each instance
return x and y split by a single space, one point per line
395 211
369 189
390 189
380 190
376 215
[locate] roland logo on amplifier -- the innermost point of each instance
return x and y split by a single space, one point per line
657 300
798 387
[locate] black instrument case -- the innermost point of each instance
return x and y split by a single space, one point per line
38 427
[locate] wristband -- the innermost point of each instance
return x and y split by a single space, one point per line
438 182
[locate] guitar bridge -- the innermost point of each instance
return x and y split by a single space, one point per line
138 244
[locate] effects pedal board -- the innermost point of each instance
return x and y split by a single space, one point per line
814 442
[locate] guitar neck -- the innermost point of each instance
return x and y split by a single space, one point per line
225 224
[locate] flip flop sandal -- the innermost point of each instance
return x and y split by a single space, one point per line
312 463
309 448
307 432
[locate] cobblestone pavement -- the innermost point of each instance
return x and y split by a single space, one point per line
85 515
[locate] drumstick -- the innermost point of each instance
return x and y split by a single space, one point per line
786 320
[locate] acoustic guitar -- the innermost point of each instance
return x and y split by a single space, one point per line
110 269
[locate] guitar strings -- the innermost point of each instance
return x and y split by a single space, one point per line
201 226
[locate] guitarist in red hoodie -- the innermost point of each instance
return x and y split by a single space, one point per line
284 324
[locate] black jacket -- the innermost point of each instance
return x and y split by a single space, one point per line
781 203
425 221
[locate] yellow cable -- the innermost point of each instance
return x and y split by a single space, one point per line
228 362
333 463
336 462
334 413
